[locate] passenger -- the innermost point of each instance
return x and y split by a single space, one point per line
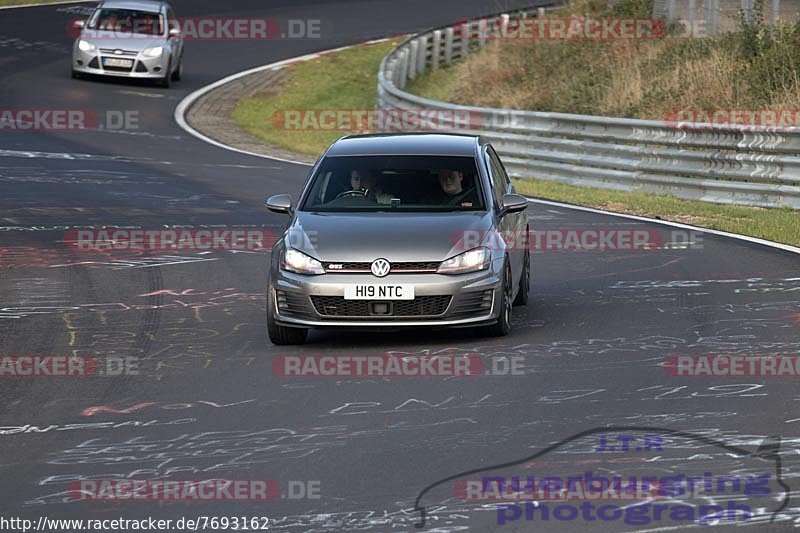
452 191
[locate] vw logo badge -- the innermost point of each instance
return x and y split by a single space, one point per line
380 267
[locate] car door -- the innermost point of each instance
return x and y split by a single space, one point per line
511 226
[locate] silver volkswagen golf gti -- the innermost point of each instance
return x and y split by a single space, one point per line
399 230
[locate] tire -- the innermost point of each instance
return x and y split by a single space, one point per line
503 325
524 280
178 74
281 335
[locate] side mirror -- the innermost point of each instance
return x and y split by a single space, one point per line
174 32
78 24
280 203
513 203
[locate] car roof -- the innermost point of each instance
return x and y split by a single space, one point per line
405 144
144 5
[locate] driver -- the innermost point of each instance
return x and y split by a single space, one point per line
362 180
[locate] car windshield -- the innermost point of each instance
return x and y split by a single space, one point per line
126 21
406 182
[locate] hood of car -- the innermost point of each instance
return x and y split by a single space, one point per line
135 43
398 237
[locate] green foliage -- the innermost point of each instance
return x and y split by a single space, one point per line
771 55
641 9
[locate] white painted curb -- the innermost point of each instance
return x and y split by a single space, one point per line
755 240
187 102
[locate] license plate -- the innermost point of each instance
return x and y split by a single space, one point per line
113 62
379 292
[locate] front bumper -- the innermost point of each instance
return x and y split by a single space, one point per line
473 299
142 67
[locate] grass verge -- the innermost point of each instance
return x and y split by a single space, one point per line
346 80
752 67
779 225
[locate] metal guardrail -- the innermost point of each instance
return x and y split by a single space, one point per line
689 160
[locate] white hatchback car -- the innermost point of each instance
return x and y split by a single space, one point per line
132 39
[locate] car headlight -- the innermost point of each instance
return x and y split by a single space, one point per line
86 46
153 52
471 261
300 263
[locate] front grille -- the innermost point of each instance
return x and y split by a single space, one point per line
111 52
472 304
397 268
420 306
293 304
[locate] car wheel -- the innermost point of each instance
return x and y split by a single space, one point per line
178 74
525 280
503 325
281 335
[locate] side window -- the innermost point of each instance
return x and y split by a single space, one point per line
496 158
497 175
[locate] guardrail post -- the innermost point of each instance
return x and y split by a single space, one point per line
391 71
422 54
465 35
483 30
448 45
504 19
692 17
671 10
436 49
747 10
403 68
540 12
412 60
711 11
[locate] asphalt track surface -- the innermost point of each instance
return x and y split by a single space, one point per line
206 403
